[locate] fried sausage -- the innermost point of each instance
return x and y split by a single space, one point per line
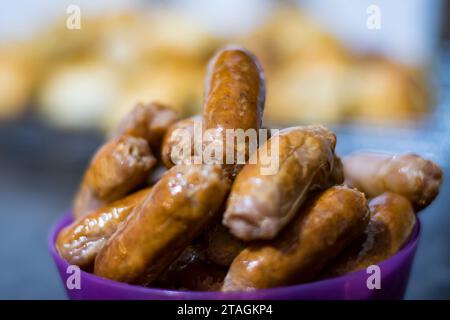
326 225
180 134
260 205
410 175
192 271
149 121
118 167
234 98
80 242
176 211
390 226
222 246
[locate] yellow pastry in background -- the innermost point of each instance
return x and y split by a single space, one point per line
179 86
307 92
289 34
118 59
78 94
381 91
16 81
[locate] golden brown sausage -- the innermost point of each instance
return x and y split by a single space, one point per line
192 271
180 134
80 242
234 96
325 226
177 210
410 175
222 246
118 167
260 205
149 121
391 223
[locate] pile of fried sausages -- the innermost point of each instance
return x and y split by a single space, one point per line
144 217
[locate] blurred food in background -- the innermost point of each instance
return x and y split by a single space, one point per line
72 78
17 78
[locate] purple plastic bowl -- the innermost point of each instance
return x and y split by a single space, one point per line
394 278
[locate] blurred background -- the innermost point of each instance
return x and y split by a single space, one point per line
377 72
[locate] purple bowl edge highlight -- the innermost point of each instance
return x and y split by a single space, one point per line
139 292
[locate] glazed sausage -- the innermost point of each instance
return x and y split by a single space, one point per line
325 226
80 242
410 175
391 223
234 97
260 205
180 134
149 121
118 167
222 246
192 271
176 211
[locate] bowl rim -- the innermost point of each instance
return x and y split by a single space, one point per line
387 265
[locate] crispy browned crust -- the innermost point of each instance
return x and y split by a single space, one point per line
177 210
173 137
149 121
80 242
260 205
326 225
391 223
234 95
118 167
409 175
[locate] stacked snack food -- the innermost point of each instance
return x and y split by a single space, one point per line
231 225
